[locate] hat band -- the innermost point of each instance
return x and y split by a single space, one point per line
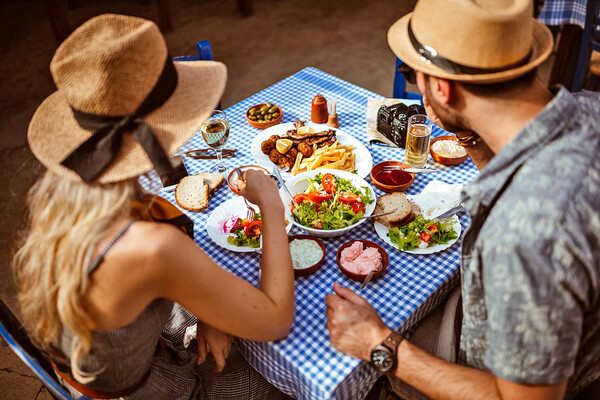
96 154
431 55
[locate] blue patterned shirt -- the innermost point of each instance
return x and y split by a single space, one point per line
531 259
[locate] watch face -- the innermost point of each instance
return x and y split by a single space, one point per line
382 360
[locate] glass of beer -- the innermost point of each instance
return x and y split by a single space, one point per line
215 132
418 134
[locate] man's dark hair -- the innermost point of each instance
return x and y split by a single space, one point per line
497 89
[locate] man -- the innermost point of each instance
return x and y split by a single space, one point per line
530 260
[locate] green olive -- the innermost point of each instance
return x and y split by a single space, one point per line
268 117
252 117
275 115
273 109
269 104
252 111
264 108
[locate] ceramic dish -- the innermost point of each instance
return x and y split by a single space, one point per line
233 176
311 269
401 187
299 183
363 162
446 160
266 124
366 244
214 225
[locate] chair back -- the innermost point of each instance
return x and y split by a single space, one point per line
15 335
204 54
400 85
590 42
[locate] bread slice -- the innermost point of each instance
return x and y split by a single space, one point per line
388 202
212 180
192 193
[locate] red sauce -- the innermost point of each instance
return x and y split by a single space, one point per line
395 177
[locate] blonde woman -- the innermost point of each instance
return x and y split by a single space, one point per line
104 288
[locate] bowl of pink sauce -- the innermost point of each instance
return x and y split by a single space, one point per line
357 257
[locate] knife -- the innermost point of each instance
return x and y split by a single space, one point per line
367 279
209 154
419 170
450 212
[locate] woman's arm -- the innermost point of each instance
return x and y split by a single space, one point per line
184 273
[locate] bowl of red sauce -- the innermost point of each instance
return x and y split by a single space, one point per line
394 180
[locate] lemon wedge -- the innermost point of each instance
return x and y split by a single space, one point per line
283 145
306 130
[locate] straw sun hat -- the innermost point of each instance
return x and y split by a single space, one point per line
121 106
477 41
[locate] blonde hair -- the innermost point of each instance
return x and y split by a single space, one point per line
67 220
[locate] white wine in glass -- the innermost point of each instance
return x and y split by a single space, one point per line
215 132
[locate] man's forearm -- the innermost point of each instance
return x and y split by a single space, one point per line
440 379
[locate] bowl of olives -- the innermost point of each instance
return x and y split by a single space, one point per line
264 115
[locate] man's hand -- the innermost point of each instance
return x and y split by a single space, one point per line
354 326
216 342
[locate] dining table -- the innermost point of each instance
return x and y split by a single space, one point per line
304 364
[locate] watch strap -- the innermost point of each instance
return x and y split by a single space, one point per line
393 341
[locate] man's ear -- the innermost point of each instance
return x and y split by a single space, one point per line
441 89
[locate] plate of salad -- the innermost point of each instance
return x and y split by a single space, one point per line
423 235
228 227
329 203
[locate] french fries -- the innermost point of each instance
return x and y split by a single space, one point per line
334 156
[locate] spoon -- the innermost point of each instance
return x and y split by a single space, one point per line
380 214
277 175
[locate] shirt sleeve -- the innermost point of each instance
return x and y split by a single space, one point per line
535 294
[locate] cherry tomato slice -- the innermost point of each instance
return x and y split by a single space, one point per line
301 198
328 183
348 198
425 236
433 228
253 228
245 222
318 197
358 207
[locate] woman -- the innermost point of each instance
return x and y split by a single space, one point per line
97 275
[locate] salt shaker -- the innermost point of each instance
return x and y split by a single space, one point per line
333 117
318 110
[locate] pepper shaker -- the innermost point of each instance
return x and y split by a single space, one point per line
333 117
318 110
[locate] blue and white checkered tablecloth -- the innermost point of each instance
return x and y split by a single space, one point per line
563 12
305 365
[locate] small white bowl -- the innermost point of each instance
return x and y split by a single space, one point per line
299 183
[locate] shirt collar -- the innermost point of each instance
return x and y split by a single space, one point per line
541 130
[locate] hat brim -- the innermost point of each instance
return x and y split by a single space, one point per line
400 44
54 133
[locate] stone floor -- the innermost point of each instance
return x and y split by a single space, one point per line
346 39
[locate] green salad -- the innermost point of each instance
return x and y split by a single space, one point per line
330 203
244 232
423 233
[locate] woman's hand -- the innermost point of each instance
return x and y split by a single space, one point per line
260 189
216 342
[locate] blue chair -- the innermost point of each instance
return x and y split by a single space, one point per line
400 85
590 42
204 53
15 335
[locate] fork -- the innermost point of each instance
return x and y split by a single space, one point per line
390 168
251 212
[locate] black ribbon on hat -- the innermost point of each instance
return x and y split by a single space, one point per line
431 55
94 155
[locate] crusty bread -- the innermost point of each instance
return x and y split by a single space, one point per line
212 180
192 193
404 209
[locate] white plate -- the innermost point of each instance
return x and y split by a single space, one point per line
382 232
364 161
214 224
299 183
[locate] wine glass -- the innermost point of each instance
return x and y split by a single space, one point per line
215 132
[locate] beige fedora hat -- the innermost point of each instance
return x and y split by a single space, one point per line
121 106
478 41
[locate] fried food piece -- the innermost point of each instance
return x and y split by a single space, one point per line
291 154
274 156
274 138
305 149
267 146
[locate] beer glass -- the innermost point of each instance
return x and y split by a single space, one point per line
215 132
418 135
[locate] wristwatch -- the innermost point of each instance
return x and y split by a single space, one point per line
383 356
